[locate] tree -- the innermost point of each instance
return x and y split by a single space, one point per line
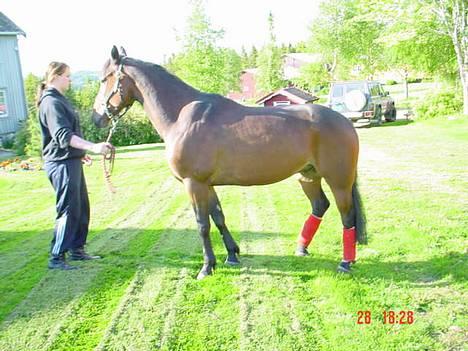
253 55
269 62
202 63
412 43
232 69
244 56
313 76
345 34
414 39
453 18
28 137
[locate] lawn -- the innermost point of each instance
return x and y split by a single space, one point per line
143 295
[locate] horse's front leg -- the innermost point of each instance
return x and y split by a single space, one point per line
199 195
217 215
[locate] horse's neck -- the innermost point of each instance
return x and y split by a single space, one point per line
162 97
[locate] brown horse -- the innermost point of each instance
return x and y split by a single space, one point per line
211 140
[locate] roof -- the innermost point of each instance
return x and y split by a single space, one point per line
293 62
354 81
251 70
294 93
7 26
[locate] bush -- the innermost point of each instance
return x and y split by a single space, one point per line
133 129
21 139
28 137
439 104
414 80
34 145
391 82
7 142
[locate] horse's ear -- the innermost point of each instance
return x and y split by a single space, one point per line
115 55
122 51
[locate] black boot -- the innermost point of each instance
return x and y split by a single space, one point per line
79 254
58 262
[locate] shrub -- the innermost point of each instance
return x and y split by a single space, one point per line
439 104
28 137
7 142
414 80
391 82
133 129
34 144
21 139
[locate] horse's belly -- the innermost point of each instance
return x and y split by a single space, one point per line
258 168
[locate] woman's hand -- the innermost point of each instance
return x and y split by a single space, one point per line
87 160
102 148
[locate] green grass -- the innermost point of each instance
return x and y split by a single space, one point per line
143 295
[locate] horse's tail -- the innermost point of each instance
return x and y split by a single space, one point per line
360 216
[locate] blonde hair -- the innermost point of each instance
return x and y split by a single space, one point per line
54 70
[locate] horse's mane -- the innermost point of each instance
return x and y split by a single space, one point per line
158 73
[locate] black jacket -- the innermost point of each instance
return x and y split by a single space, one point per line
59 122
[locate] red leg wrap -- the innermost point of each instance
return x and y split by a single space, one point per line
349 244
308 230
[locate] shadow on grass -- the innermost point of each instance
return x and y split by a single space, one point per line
397 123
177 249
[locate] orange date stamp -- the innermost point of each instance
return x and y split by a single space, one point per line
388 317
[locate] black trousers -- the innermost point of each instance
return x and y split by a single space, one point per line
72 203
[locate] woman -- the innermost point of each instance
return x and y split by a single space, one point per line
63 150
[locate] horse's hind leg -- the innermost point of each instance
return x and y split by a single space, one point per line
199 196
217 215
312 187
344 202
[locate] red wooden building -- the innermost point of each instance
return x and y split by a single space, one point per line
287 96
248 86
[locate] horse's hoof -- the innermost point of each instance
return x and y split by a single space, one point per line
204 272
344 267
232 261
302 252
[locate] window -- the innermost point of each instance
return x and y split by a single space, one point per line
374 90
3 104
355 86
381 90
281 103
337 91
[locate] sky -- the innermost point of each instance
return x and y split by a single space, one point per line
81 32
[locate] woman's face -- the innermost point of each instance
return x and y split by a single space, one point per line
62 82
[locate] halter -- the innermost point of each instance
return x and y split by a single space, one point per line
114 117
117 88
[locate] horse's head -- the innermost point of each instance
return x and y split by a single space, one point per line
115 95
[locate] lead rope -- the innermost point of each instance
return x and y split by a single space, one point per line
108 161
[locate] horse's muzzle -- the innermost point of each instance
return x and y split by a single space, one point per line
99 120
